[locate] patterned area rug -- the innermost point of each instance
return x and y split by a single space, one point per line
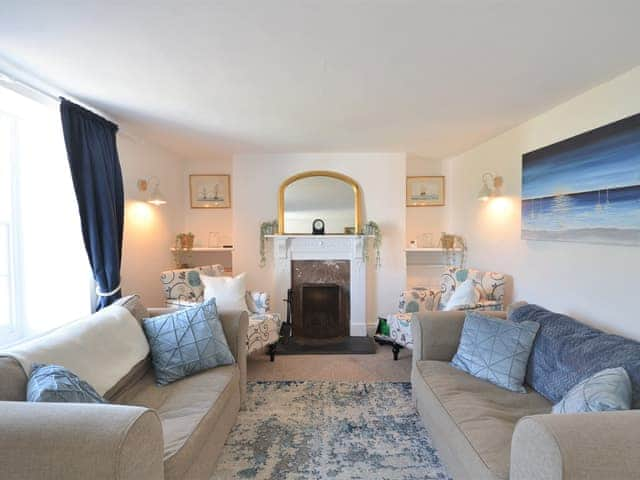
325 430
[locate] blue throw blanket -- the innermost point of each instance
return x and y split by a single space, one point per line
566 352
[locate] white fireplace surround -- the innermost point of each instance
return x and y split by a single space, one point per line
287 248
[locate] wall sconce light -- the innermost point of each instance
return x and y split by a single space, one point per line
152 186
491 186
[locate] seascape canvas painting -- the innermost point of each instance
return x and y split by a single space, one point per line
586 188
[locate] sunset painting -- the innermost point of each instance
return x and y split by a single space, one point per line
586 188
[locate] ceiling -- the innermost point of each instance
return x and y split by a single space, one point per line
430 77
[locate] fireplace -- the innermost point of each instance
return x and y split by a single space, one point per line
320 298
333 259
320 313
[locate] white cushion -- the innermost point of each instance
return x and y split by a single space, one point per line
465 294
101 348
229 292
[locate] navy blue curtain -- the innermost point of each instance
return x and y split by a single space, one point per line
97 180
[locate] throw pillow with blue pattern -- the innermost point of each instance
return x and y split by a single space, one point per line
605 391
53 383
566 352
495 350
186 342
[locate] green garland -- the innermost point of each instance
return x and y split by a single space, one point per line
372 229
266 228
457 249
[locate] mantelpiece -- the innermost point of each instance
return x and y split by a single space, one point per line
287 248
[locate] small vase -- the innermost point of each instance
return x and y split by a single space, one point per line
447 241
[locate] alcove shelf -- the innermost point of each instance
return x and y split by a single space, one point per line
431 257
430 249
310 235
202 249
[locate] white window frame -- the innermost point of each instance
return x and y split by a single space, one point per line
15 331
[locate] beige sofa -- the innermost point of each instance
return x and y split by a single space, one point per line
485 432
148 432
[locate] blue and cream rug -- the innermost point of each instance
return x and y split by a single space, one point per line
326 430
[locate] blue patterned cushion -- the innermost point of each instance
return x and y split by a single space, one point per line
53 383
495 350
186 342
605 391
566 352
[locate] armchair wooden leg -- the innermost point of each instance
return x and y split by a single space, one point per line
272 351
396 349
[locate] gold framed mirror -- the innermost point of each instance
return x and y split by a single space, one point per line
318 194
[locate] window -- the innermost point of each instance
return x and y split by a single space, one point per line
45 279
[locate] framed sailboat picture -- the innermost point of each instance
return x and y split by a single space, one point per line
425 191
210 191
586 188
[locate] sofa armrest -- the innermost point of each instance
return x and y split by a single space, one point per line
585 446
235 325
79 441
157 311
436 335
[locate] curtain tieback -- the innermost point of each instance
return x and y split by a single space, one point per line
107 294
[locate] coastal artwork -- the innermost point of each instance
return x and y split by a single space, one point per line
425 191
209 191
586 188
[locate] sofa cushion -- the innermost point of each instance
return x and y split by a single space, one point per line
189 411
465 294
484 413
186 341
138 371
229 292
605 391
565 352
53 383
495 350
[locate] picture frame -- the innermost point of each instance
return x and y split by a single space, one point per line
425 191
585 188
210 191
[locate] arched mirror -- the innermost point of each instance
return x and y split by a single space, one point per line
329 196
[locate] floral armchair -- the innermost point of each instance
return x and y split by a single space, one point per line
183 288
489 285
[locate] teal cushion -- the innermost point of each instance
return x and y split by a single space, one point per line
495 350
186 342
53 383
609 389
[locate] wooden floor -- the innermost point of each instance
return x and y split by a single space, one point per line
379 367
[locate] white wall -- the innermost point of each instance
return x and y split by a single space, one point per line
149 230
594 283
255 183
201 221
425 220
